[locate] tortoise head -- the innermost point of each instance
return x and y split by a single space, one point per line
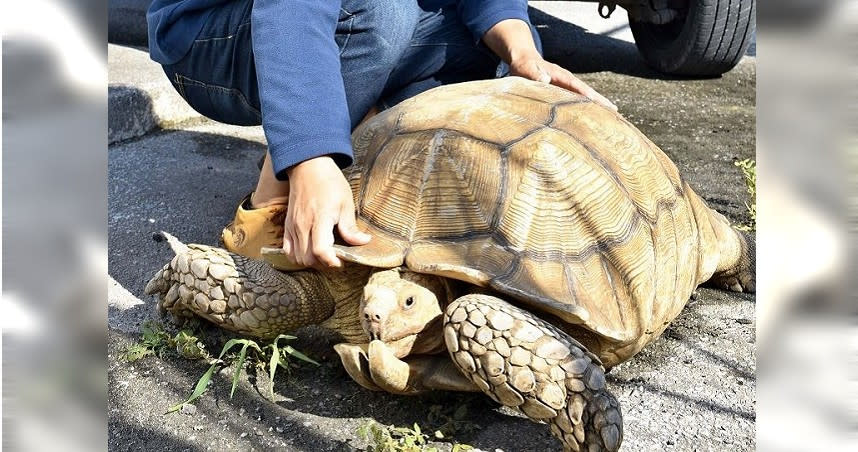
404 309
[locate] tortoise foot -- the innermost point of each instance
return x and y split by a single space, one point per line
375 367
526 363
741 275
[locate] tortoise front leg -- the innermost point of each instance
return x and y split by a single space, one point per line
374 366
526 363
238 293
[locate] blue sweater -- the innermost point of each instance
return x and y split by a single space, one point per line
314 121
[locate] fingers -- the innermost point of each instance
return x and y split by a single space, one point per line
299 228
564 79
287 240
348 228
542 71
542 75
530 69
309 240
323 243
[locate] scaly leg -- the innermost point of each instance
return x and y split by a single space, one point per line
238 293
526 363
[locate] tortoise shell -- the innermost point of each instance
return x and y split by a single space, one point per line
537 193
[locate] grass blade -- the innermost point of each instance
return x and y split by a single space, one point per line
238 367
228 346
299 355
275 360
198 390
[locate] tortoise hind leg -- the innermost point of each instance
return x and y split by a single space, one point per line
526 363
738 271
727 254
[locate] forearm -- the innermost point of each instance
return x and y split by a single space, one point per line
304 111
479 16
511 40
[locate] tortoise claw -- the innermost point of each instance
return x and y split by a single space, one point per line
388 372
376 367
356 363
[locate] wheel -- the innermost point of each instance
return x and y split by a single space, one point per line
707 38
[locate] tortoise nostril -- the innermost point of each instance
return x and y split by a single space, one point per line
377 316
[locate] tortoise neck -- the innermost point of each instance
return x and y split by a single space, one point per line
313 301
346 289
302 297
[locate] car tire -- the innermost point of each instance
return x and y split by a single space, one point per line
707 39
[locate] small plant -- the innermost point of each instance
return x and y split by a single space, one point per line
154 341
274 355
157 342
462 447
401 439
749 169
394 439
189 346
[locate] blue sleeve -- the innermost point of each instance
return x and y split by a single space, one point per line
481 15
303 100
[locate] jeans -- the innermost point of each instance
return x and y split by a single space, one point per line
389 51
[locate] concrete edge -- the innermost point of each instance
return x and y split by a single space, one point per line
140 97
134 111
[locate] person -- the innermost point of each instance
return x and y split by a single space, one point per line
309 71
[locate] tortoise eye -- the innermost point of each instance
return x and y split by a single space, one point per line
409 302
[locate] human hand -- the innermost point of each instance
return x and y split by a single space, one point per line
534 67
319 198
512 41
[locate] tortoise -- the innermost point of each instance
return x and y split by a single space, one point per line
524 240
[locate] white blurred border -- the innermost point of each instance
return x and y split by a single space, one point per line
54 148
54 273
807 315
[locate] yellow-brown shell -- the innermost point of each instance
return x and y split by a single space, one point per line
535 192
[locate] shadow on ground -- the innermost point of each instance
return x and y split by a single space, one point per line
580 51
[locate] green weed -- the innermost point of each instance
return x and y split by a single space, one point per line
749 169
155 341
189 346
272 354
383 438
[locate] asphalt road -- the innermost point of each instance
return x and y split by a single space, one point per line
693 389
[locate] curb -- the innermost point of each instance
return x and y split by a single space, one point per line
140 98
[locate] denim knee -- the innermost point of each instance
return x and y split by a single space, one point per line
384 27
